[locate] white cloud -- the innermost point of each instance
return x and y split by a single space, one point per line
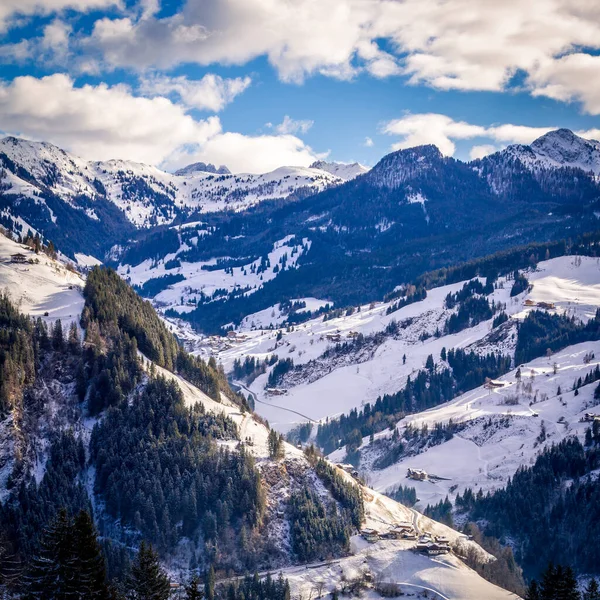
462 44
333 37
98 122
431 128
442 130
481 151
294 126
368 142
102 122
212 92
568 78
12 9
247 154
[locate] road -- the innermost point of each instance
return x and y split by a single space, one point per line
255 398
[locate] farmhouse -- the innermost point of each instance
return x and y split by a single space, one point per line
370 535
18 258
416 474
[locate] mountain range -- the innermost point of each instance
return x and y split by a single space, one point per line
354 233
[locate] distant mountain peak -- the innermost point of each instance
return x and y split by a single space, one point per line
345 171
201 167
394 169
559 148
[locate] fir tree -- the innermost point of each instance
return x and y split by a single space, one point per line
58 340
52 573
148 580
89 563
209 584
533 591
193 589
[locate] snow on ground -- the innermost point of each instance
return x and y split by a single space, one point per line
150 196
444 577
181 296
274 316
572 283
86 260
499 436
40 288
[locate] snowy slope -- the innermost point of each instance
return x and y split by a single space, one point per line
331 389
49 286
499 437
46 286
390 560
201 279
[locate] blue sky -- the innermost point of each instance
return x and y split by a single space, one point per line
259 83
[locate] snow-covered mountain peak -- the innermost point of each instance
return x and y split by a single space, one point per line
201 167
345 171
559 148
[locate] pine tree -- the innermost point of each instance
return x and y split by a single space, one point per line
209 584
148 579
567 586
74 341
193 589
90 569
58 340
51 575
549 582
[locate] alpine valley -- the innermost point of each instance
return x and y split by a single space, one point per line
316 381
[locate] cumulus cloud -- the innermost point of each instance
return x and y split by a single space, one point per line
212 92
11 9
463 44
295 126
481 151
98 122
430 128
247 154
568 78
103 122
334 37
368 142
442 130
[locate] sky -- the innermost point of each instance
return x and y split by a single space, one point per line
256 84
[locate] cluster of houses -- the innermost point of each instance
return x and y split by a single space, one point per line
433 545
590 418
400 531
337 336
544 305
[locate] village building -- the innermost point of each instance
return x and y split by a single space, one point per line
18 258
416 474
370 535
